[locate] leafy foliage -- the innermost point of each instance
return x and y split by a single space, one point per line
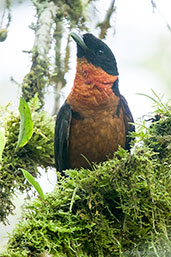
37 152
2 144
26 124
120 208
33 182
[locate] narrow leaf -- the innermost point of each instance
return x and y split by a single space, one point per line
150 97
26 124
33 182
2 143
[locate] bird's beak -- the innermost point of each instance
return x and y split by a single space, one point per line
79 40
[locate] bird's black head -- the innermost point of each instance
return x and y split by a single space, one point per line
96 52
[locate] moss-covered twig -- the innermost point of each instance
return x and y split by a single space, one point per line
38 152
105 25
35 81
120 208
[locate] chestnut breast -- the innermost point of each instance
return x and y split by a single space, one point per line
95 133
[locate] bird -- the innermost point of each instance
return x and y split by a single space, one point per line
95 118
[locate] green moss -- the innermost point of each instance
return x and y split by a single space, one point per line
42 70
36 80
38 152
71 10
159 135
120 208
75 10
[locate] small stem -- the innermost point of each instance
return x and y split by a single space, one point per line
72 199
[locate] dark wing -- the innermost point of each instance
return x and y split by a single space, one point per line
61 141
128 119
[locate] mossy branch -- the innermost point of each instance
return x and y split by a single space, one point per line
38 152
35 81
51 16
105 25
46 15
120 208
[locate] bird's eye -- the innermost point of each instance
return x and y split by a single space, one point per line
100 52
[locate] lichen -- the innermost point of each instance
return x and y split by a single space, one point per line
36 80
120 208
49 15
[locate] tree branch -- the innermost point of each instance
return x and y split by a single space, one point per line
105 25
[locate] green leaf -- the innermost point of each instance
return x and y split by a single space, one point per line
2 143
26 124
150 97
33 182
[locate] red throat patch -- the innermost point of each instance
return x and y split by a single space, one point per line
92 85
